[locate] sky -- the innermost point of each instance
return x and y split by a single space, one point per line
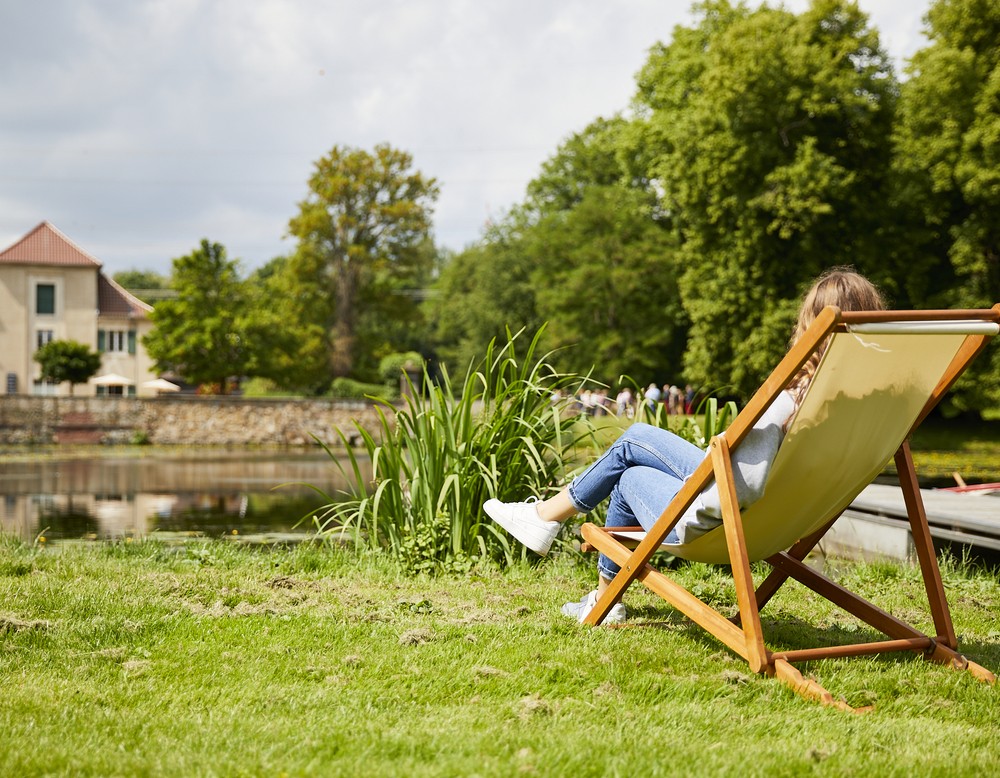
140 127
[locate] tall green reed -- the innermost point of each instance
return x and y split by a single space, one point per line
447 449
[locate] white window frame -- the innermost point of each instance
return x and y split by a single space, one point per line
116 341
44 388
44 337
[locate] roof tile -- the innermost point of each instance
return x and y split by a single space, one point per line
45 245
114 300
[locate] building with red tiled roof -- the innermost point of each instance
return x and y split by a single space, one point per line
51 289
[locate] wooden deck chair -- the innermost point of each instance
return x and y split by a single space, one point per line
879 377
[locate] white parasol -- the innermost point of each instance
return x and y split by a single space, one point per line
161 385
112 379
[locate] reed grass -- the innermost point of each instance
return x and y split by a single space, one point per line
439 457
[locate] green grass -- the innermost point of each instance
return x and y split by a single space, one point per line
945 446
213 659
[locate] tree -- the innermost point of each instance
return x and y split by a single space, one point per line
144 284
606 281
67 360
769 137
286 342
599 236
947 158
482 292
200 333
362 229
141 279
589 253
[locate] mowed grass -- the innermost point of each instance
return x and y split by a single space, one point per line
214 659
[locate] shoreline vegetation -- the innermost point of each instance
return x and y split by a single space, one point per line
940 447
216 659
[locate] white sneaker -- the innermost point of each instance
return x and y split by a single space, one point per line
580 610
521 520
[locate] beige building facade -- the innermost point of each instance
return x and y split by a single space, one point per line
51 289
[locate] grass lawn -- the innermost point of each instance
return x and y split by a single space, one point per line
214 659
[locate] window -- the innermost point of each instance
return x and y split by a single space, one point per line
45 299
42 337
115 340
46 388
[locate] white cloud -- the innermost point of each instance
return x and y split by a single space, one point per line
139 127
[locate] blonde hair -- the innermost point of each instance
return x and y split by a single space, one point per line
839 286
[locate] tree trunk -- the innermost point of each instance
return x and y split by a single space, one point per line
342 337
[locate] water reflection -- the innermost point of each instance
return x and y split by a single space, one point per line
133 492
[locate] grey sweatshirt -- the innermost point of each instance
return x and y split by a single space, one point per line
751 464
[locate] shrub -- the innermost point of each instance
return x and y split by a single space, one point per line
390 367
349 389
264 387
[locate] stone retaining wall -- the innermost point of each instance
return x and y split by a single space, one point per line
180 420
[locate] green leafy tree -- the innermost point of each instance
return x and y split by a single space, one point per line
141 279
482 292
607 285
67 360
200 333
392 318
148 285
587 159
588 252
362 239
605 261
284 342
947 158
768 134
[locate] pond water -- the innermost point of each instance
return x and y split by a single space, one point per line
136 492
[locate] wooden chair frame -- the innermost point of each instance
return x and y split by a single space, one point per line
743 633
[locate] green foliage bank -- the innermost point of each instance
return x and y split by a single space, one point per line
669 243
761 147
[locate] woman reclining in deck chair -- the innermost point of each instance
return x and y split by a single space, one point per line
643 470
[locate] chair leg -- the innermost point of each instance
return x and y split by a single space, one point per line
756 652
946 656
924 545
776 578
809 689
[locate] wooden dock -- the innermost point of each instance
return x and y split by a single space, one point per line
875 525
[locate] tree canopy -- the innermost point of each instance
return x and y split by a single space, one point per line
200 334
588 253
771 156
362 235
67 360
948 163
141 279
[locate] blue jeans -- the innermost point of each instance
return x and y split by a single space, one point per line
641 473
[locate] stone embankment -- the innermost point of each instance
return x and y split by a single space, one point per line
180 420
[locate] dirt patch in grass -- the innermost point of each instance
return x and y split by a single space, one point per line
10 624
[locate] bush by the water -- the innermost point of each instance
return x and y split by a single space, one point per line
349 389
448 449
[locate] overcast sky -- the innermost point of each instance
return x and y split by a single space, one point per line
139 127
